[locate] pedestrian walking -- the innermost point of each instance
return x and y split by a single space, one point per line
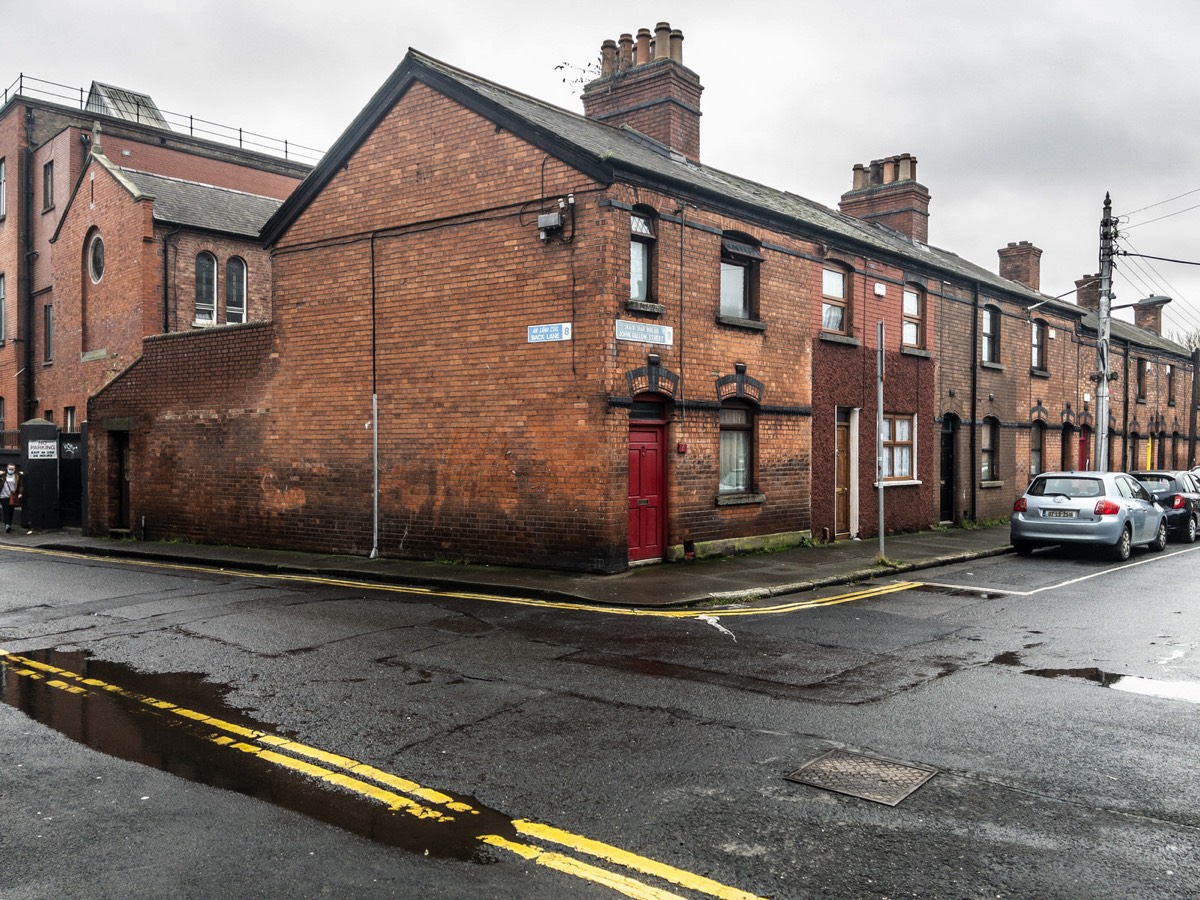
12 493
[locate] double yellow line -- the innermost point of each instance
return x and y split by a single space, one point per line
690 613
404 796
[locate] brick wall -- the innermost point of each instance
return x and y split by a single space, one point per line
98 326
491 448
194 441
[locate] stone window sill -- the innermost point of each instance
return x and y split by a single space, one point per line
834 337
745 324
740 499
645 307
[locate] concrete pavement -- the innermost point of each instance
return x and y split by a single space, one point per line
721 579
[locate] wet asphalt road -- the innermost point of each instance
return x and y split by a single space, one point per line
664 737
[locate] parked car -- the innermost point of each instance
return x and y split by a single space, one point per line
1111 510
1179 494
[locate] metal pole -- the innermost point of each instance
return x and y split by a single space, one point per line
879 439
1105 313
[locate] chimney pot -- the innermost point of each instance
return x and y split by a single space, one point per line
677 46
643 47
608 58
860 177
626 54
662 41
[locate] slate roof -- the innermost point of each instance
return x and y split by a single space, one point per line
609 154
203 206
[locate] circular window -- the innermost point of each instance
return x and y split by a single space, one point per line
96 258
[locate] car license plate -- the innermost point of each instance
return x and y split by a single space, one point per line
1060 514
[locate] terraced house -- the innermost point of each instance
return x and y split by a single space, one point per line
505 332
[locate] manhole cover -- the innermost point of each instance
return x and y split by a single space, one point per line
862 776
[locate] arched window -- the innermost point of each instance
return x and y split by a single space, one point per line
642 241
1037 441
913 328
989 447
206 288
737 446
235 290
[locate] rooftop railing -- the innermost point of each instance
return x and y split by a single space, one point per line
64 95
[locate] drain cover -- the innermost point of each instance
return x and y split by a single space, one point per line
862 776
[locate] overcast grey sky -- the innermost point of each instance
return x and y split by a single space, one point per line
1022 114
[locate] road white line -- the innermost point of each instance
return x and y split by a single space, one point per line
980 589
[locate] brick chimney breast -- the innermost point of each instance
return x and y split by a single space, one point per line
888 192
1022 262
645 85
1087 292
1149 318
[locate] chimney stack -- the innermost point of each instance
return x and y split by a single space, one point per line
644 84
1149 318
888 192
1087 292
1022 263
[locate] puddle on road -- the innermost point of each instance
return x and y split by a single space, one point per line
1132 684
170 722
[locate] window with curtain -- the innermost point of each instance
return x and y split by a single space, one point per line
898 447
914 317
737 446
835 314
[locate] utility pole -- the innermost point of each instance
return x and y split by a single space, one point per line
879 437
1108 233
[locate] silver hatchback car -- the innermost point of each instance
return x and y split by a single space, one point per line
1111 510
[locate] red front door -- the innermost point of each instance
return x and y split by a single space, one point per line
646 463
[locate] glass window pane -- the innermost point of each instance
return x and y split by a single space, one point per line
904 429
639 270
734 466
910 333
733 291
640 225
833 317
833 283
912 306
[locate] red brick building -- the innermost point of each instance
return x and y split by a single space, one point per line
503 332
59 200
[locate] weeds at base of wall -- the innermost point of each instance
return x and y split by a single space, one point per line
992 522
